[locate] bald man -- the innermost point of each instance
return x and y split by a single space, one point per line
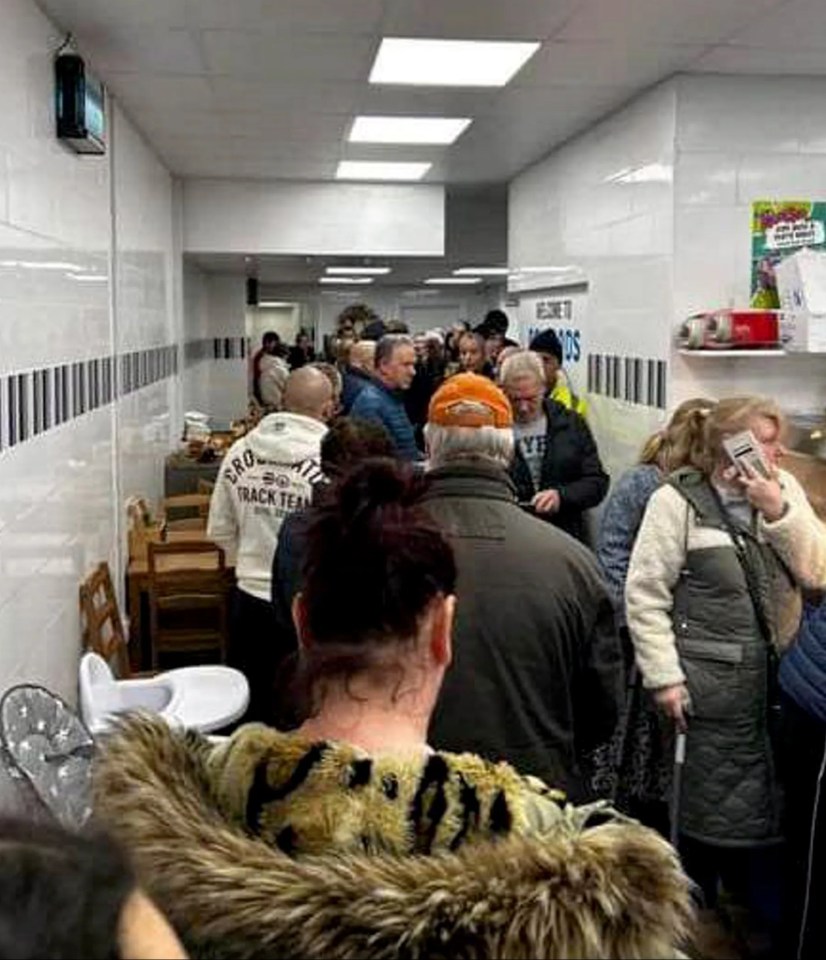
266 475
358 372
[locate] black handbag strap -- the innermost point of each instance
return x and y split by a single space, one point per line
749 572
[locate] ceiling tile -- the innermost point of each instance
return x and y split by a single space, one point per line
148 91
662 21
476 19
154 49
288 16
258 170
607 63
80 15
541 105
308 96
267 56
797 25
283 125
425 101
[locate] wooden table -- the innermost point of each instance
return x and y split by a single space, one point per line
137 585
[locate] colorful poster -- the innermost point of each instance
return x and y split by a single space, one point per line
779 228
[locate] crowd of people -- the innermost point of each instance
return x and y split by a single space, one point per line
447 653
582 667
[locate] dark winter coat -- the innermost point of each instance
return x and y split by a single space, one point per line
803 667
542 885
537 677
382 405
571 466
354 381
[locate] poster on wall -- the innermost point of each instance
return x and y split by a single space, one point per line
778 229
564 313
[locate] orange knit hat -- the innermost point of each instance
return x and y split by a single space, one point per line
468 400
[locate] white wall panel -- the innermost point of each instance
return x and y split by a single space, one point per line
313 218
741 139
59 512
600 210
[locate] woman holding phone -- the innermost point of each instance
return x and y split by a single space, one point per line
713 595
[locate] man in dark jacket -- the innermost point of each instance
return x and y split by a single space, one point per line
537 677
556 467
382 401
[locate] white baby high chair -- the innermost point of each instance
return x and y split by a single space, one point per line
200 698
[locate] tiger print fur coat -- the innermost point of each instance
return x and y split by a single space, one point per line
268 845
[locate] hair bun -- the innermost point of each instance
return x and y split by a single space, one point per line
375 485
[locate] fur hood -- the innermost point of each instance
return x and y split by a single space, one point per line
615 890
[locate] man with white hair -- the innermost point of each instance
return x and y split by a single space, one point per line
358 372
556 467
537 678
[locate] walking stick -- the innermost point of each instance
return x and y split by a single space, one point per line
679 762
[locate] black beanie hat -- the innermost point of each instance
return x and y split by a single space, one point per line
496 321
374 331
547 342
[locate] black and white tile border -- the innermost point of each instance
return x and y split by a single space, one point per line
633 379
38 400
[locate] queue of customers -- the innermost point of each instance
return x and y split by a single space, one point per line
444 664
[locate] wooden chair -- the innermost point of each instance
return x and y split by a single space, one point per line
187 511
188 598
100 620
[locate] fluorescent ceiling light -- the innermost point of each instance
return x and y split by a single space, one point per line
360 271
438 130
89 277
358 280
481 272
452 281
275 303
61 265
370 170
449 63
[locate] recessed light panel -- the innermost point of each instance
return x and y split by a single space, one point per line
374 170
481 272
359 271
427 130
453 281
361 281
449 63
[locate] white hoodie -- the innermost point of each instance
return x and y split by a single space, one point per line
265 475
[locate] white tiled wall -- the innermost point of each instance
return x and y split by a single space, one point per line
145 313
196 330
652 208
601 209
741 139
59 490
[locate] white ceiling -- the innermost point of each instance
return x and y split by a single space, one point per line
268 88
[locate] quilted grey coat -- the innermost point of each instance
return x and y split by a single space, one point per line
723 654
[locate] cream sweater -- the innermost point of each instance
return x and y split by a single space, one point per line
668 527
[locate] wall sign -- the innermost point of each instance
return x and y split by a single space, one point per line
778 228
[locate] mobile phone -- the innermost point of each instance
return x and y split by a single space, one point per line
743 448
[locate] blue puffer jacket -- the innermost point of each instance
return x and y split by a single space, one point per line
376 402
803 667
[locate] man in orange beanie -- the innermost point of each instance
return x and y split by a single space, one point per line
537 675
